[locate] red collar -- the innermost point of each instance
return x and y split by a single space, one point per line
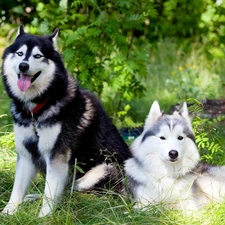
38 107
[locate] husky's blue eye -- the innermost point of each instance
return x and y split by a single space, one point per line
19 53
180 138
37 56
162 138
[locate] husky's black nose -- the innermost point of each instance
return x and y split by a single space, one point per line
173 154
23 66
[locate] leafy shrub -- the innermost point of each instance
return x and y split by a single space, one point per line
213 23
99 44
193 81
209 136
177 18
185 82
209 139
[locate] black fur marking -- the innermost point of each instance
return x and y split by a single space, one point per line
31 144
149 133
35 76
139 162
45 60
191 136
28 54
195 187
155 128
111 180
202 168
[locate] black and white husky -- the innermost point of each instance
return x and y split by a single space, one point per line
165 166
55 122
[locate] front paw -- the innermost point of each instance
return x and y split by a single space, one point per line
45 211
10 209
47 208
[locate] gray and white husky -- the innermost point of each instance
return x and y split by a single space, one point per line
55 122
165 166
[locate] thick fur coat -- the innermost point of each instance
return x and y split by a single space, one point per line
55 122
166 168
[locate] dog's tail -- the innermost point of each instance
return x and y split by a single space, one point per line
101 176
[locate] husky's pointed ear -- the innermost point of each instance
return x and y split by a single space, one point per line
153 115
54 37
184 110
20 31
185 114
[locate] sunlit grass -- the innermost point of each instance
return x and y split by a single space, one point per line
81 208
92 208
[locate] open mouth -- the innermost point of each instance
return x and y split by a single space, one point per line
25 81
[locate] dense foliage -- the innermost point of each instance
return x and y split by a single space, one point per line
106 43
100 45
203 19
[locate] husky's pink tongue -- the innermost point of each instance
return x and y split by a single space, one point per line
24 82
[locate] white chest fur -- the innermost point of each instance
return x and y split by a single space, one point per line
47 137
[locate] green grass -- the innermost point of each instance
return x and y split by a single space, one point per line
83 208
91 208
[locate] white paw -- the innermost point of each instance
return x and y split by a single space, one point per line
45 211
10 209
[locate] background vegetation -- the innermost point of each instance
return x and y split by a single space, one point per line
129 53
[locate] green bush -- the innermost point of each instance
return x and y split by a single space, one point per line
177 18
99 45
209 135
